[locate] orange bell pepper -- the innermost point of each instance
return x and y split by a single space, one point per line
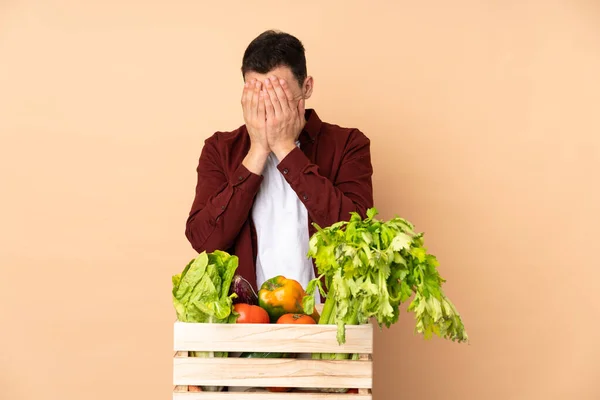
279 296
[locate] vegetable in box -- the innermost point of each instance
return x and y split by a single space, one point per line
201 294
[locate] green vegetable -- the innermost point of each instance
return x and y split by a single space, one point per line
201 294
265 355
370 268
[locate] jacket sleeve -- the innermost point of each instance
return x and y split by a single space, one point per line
222 201
329 201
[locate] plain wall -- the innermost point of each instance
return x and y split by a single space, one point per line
484 118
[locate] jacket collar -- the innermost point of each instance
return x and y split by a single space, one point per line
313 124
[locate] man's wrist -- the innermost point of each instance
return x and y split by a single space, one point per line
283 150
255 160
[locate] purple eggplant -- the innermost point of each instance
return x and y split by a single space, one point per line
244 290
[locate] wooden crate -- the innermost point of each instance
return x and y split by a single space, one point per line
302 373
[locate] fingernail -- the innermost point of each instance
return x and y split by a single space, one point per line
273 79
281 81
267 82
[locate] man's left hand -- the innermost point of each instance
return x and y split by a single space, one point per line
285 116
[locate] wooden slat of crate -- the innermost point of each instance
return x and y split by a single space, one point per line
272 372
269 396
271 338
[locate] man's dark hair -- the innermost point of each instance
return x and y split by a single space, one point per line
272 49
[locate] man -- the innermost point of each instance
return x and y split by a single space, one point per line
261 186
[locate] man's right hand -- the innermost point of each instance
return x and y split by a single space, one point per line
253 107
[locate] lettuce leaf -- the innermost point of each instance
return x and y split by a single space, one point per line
200 291
201 294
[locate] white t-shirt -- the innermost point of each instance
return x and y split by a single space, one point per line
281 222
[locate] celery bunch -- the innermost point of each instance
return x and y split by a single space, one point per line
370 268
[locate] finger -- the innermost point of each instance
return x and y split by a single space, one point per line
244 91
285 107
255 99
288 92
261 106
273 98
301 109
245 96
269 109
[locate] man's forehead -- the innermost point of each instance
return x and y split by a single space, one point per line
279 72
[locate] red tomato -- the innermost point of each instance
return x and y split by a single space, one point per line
295 319
249 314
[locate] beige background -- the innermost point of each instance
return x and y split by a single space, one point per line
485 123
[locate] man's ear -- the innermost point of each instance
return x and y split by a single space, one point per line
308 86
